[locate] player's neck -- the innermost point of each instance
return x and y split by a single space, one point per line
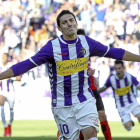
72 37
122 76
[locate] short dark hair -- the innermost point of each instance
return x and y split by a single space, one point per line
119 62
81 32
63 13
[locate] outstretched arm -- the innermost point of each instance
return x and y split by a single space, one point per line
102 89
128 56
7 74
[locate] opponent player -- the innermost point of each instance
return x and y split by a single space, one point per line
126 103
7 90
67 57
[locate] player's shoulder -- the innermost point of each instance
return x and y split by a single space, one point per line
48 45
130 75
86 38
112 77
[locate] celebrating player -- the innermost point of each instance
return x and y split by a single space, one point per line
73 103
126 103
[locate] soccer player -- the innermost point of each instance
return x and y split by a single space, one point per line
7 90
126 103
67 57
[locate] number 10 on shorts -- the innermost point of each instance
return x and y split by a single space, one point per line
64 129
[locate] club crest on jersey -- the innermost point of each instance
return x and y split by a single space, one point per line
127 83
83 51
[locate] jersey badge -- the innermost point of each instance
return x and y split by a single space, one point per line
83 51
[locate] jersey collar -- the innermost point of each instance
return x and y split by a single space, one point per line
68 41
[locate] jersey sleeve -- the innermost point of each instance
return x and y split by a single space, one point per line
41 57
98 49
108 83
135 81
44 55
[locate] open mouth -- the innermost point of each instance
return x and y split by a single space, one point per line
118 74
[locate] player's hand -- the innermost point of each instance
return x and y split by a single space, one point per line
91 71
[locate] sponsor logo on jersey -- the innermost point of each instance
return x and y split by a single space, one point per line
122 91
69 67
62 53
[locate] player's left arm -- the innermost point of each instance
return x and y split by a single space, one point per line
128 56
7 74
98 49
135 82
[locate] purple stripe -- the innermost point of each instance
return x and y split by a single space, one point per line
128 94
67 79
81 95
8 85
120 97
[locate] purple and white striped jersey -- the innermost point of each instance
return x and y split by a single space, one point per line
123 89
5 85
68 62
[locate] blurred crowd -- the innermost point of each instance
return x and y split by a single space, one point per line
27 25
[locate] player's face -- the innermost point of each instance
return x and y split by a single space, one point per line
68 26
119 70
4 58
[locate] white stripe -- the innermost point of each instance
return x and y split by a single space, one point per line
32 61
62 40
86 86
114 85
60 79
108 48
122 85
74 77
130 83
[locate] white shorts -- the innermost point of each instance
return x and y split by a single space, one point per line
71 120
10 98
124 112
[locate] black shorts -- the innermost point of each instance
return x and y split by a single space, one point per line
99 102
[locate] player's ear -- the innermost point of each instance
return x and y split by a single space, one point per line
59 28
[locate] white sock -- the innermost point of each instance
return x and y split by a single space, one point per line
3 116
11 116
93 138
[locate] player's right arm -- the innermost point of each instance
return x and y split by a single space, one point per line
107 84
43 56
7 74
102 89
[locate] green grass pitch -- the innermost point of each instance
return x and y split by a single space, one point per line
46 130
